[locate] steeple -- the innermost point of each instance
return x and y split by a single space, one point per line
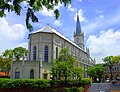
79 35
78 27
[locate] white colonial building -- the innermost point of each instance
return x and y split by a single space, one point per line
44 46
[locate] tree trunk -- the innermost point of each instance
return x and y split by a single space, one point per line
65 79
95 79
100 79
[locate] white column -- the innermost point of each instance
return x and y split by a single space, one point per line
40 66
11 70
23 62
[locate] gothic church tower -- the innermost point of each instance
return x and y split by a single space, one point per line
79 35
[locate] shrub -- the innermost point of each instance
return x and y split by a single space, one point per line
85 81
67 89
19 83
41 84
73 89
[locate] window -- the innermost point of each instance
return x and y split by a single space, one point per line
46 54
56 52
77 40
117 68
32 74
45 75
34 52
17 73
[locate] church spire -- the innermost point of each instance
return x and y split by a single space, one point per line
79 35
78 27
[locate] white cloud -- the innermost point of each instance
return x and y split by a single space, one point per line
49 13
102 21
81 16
70 8
10 35
106 44
101 16
46 12
14 32
24 44
58 6
57 23
80 0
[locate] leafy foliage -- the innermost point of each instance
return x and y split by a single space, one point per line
66 67
29 83
74 89
85 81
5 63
96 71
110 61
49 85
32 6
7 55
19 52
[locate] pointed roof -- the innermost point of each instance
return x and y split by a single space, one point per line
78 27
49 29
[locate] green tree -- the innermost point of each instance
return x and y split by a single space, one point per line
31 6
6 57
78 72
95 72
6 61
19 53
109 62
65 67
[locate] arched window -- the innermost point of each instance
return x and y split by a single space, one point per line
45 75
77 40
31 74
17 73
46 54
56 52
117 76
34 52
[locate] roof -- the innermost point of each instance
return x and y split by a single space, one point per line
49 29
2 73
78 27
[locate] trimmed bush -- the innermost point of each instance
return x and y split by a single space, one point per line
85 81
73 89
44 85
29 83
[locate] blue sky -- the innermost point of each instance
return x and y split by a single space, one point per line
100 21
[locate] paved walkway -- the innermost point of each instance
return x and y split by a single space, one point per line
100 87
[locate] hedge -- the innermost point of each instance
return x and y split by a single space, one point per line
70 86
85 81
74 89
28 83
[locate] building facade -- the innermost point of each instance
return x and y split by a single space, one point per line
115 72
44 46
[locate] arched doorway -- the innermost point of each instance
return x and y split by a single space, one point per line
31 74
45 74
17 73
117 77
107 79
